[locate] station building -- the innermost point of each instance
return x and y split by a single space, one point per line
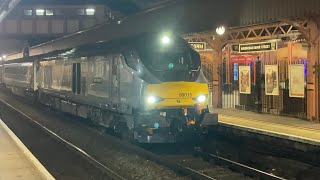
269 63
34 23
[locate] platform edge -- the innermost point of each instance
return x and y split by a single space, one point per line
44 172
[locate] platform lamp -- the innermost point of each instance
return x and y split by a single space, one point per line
220 30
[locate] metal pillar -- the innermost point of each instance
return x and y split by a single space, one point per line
258 100
6 7
216 44
313 76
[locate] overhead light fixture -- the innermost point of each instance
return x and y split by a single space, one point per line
90 11
40 12
220 30
165 40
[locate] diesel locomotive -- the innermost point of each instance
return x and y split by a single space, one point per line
149 87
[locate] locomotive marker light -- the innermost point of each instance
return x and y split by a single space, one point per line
170 65
220 30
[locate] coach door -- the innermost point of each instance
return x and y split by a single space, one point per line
76 78
116 63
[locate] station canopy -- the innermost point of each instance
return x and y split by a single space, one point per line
126 7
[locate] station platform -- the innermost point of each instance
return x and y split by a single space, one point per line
16 161
272 125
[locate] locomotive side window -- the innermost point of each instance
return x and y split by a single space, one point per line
132 59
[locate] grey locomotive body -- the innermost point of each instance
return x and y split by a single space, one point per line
118 84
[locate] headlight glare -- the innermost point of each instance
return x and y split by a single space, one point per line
151 99
201 98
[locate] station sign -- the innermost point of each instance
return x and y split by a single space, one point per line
255 47
235 47
199 46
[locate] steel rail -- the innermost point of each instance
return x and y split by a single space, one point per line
194 174
148 155
241 167
71 146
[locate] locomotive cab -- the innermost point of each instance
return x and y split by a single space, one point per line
175 98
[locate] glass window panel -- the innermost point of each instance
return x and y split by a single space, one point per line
28 12
40 12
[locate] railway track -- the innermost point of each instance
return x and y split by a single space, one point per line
185 166
212 166
181 170
252 172
111 174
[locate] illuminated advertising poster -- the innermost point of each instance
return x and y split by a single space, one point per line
296 80
244 80
271 80
235 72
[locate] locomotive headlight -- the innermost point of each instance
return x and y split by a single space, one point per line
151 99
201 98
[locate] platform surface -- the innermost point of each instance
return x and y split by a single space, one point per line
273 125
16 161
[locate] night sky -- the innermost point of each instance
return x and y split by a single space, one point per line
124 6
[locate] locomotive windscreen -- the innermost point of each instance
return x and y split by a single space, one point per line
169 58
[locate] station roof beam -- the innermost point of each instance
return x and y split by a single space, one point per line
6 6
